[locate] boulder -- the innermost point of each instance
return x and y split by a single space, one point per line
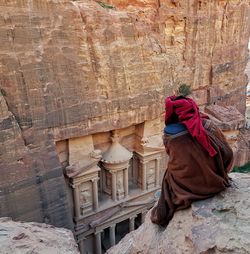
216 225
228 118
242 156
24 238
232 122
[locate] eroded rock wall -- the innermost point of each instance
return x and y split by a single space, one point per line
74 68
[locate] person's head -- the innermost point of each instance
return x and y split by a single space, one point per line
173 118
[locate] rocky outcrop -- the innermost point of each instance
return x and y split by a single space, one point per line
232 123
216 225
24 238
242 148
74 68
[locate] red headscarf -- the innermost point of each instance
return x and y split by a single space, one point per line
188 113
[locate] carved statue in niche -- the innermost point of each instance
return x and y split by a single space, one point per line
85 197
120 187
138 169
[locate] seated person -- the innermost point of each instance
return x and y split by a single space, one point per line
199 159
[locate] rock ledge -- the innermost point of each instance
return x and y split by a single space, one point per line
217 225
35 238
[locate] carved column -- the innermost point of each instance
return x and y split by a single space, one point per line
125 181
143 216
98 243
76 201
134 170
157 177
95 194
113 185
100 187
131 224
112 235
81 245
144 176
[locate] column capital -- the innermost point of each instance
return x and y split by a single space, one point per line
97 231
95 193
82 239
74 185
133 216
95 179
98 243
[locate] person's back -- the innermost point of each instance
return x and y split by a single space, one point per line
199 159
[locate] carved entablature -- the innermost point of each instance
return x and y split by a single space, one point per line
84 181
115 163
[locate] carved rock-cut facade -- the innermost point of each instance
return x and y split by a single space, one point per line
113 182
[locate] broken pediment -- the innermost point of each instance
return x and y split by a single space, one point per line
85 165
149 136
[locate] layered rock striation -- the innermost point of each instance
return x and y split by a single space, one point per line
74 68
215 225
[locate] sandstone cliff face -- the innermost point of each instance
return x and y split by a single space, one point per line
24 238
73 68
216 225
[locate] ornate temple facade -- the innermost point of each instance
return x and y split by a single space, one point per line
112 179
